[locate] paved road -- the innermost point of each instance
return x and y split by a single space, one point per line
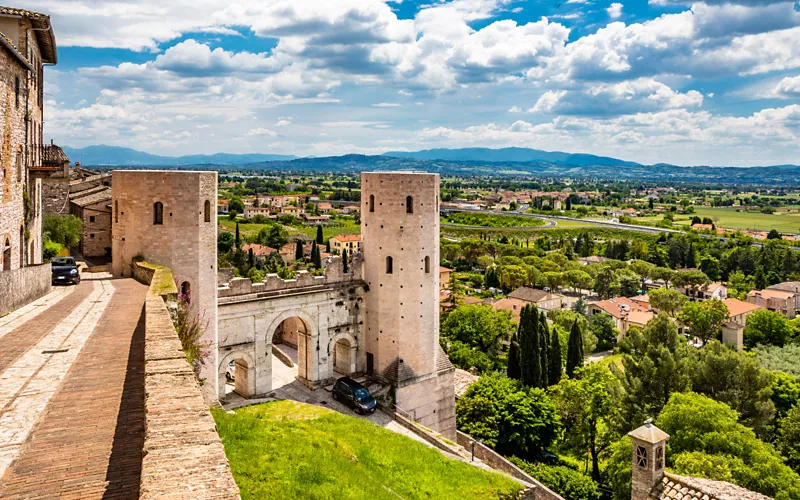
72 394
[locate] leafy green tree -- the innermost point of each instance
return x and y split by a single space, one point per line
491 278
319 238
784 359
478 325
785 393
587 407
467 357
579 306
606 283
568 483
578 280
224 241
512 277
667 300
710 266
553 279
63 229
707 440
737 380
508 416
602 326
574 350
789 438
704 319
273 235
765 327
236 205
644 269
695 280
657 366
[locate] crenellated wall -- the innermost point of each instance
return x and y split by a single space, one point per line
333 274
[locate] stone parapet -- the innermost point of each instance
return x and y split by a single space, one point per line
24 285
183 456
333 274
499 462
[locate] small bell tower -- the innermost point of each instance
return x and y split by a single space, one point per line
648 459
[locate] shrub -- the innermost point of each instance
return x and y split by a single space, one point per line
190 326
566 482
50 250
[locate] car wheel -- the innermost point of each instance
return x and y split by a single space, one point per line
335 396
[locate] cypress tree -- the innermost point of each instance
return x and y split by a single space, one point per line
569 203
554 359
319 235
530 360
344 260
574 350
328 246
238 240
513 370
298 251
250 257
544 340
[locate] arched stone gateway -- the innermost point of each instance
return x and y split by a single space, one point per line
242 375
316 322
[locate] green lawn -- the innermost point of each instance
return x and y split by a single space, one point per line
250 230
293 450
782 220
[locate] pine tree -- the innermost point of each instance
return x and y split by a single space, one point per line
298 251
238 240
554 359
513 370
574 350
344 260
544 340
319 235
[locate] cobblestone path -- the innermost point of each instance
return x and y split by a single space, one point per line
71 395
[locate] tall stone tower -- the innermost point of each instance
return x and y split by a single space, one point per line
400 241
170 217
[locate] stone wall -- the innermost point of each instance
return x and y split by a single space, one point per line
96 237
183 456
497 461
22 286
55 195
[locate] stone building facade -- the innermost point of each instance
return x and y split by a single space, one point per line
168 217
26 43
399 232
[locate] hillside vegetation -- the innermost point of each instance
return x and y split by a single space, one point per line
293 450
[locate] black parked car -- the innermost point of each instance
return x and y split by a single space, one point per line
65 270
351 393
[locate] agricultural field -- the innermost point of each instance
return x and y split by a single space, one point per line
783 220
343 226
286 449
490 220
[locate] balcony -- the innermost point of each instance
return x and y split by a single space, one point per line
48 158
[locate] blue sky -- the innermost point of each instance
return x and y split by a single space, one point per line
714 82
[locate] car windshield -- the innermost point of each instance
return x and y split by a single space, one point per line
63 261
361 393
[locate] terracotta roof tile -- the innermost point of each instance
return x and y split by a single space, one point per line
737 307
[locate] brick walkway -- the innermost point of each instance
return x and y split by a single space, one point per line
18 341
88 442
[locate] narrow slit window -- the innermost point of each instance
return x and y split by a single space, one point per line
389 263
372 203
158 213
409 204
116 211
427 265
207 211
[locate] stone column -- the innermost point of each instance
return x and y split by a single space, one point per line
648 459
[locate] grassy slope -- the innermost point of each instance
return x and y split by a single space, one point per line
294 450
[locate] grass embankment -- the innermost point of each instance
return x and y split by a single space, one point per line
293 450
163 282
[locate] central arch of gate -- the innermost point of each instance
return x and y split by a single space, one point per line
316 331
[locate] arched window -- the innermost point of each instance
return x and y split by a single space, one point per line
186 291
427 264
409 204
158 213
7 255
372 203
389 265
207 211
116 211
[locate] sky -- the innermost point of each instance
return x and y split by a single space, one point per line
715 82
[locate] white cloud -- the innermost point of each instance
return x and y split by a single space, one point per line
262 131
515 109
636 96
614 10
387 105
787 88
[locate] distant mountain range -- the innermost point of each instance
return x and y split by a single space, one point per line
509 154
117 156
467 161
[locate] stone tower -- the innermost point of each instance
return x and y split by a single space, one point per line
170 218
648 459
400 238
